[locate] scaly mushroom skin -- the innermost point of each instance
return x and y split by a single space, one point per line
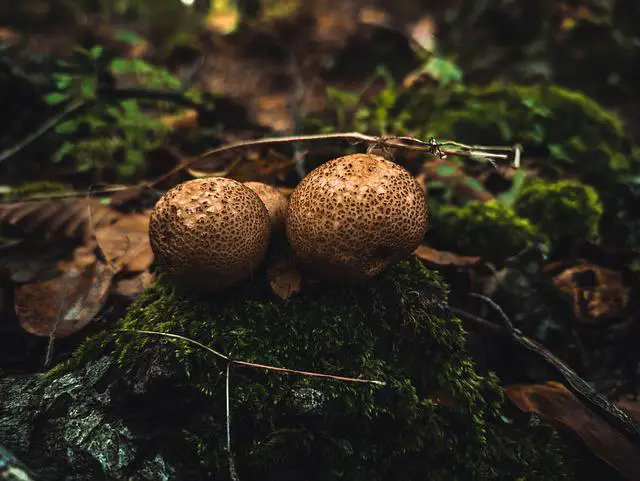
354 216
274 200
209 233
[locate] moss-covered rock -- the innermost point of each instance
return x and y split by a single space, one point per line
436 418
487 229
566 212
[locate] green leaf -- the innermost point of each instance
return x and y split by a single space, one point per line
96 52
126 170
128 36
436 184
557 151
56 98
505 129
130 106
68 127
444 71
63 80
120 66
84 166
474 184
537 133
82 50
509 197
64 150
95 122
446 170
135 157
88 87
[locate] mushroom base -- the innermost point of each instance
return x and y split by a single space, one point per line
437 417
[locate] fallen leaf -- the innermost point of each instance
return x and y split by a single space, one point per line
444 258
284 277
596 293
52 218
188 119
125 242
253 166
64 304
559 406
130 288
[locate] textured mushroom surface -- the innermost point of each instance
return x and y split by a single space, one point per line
353 216
273 199
209 233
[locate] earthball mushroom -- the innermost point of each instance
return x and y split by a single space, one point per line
209 233
353 216
275 202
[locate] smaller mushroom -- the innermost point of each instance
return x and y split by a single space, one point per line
354 216
275 202
209 233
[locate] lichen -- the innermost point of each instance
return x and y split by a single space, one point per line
436 417
567 212
487 229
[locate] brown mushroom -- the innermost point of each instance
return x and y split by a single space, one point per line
209 233
354 216
274 200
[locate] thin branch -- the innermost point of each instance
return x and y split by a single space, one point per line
74 106
49 124
407 143
253 364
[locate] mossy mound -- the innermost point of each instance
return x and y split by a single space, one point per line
487 229
565 211
572 130
435 419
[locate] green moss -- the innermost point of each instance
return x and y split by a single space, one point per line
565 211
395 328
487 229
568 128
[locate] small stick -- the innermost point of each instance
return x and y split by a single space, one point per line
407 143
253 364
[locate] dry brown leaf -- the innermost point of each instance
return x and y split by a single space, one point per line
126 241
444 258
596 293
52 218
559 406
131 288
254 166
64 304
284 277
184 120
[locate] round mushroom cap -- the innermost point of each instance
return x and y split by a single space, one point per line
209 233
275 202
354 216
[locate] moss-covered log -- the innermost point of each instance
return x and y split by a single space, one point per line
436 418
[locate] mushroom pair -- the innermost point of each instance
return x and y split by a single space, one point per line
347 220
